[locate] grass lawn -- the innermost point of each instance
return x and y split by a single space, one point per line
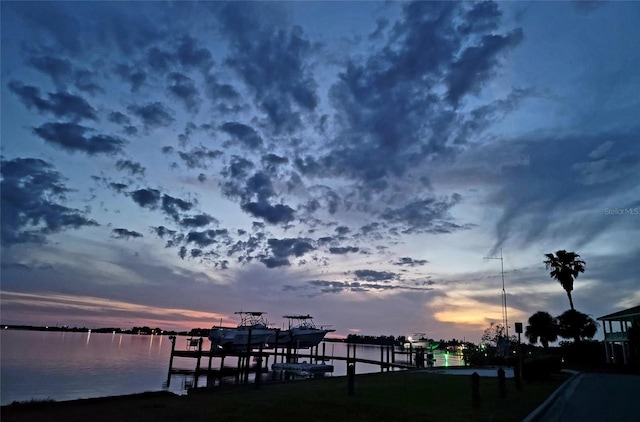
394 396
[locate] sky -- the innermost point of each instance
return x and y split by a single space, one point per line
169 164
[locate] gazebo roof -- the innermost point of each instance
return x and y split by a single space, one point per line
626 315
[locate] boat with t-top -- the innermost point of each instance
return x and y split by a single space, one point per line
252 332
420 341
302 332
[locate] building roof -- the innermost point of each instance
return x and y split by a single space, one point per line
626 315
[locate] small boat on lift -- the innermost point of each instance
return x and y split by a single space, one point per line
420 341
252 332
302 332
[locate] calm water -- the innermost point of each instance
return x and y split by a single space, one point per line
43 365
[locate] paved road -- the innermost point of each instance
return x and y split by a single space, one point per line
593 398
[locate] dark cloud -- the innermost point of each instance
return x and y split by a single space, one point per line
272 262
31 192
184 88
125 234
133 76
146 198
207 237
372 275
428 214
238 167
173 206
191 56
325 286
153 115
290 247
273 62
118 187
343 250
477 64
159 60
565 175
119 118
200 220
244 134
272 161
199 157
391 116
71 137
411 262
59 69
60 104
272 214
130 166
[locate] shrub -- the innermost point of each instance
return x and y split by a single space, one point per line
541 368
583 353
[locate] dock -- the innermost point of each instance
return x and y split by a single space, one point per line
287 362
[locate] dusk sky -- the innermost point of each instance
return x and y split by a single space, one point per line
168 164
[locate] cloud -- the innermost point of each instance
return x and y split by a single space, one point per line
131 167
125 234
372 275
273 62
199 157
184 88
207 237
31 192
429 214
555 173
133 76
272 214
477 64
173 206
71 137
190 55
200 220
290 247
411 262
146 198
343 250
59 69
243 134
153 115
60 104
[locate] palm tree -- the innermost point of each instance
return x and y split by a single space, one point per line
542 326
576 325
565 267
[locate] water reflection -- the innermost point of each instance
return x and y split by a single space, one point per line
68 365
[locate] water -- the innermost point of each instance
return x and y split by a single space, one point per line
41 365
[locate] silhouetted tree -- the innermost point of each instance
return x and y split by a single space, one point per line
542 326
565 267
576 325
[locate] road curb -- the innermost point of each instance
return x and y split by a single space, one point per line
542 410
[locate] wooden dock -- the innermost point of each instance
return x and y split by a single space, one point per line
204 362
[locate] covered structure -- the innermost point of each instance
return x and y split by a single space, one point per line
621 332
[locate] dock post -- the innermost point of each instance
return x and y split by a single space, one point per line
475 389
199 356
259 368
381 358
502 384
173 348
248 359
239 368
351 381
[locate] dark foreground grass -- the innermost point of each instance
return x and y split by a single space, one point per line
395 396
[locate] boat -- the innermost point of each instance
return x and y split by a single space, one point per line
302 332
253 332
420 341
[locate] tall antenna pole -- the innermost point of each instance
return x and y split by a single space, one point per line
505 319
